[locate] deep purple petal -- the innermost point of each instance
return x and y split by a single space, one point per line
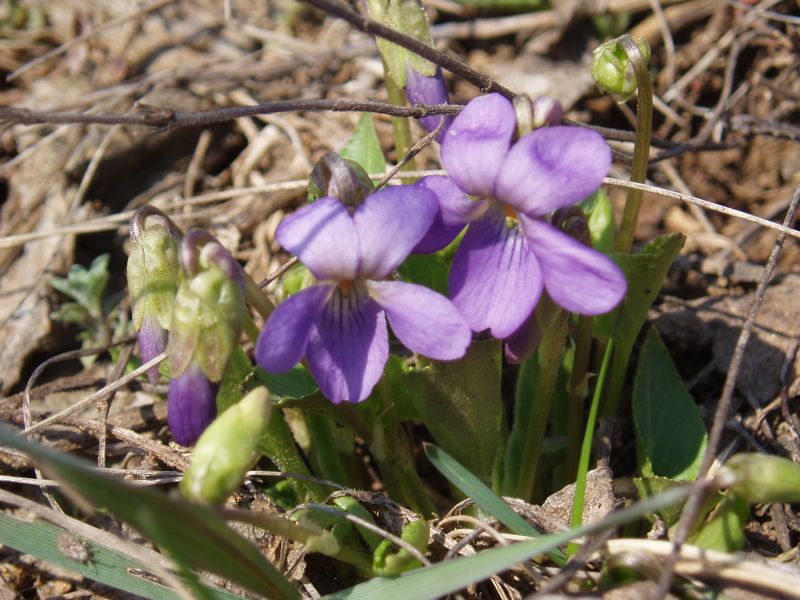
424 320
455 210
191 405
283 340
152 342
428 90
552 167
323 237
495 281
477 142
523 342
576 277
348 347
390 223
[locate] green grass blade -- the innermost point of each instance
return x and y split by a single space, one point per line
482 495
194 536
104 565
452 575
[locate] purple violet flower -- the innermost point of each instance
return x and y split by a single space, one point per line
421 89
340 323
505 190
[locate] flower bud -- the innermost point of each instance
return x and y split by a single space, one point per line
152 279
612 70
209 307
191 405
423 89
547 112
227 449
762 478
341 178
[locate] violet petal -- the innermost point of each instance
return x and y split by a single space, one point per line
523 342
390 223
152 342
577 277
421 89
552 167
477 142
191 405
322 235
424 320
282 342
348 347
495 281
455 210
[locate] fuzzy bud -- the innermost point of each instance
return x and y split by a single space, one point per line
227 449
762 478
341 178
612 70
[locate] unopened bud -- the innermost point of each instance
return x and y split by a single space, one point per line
227 449
209 308
341 178
191 405
430 90
572 221
388 563
762 478
612 68
152 279
547 112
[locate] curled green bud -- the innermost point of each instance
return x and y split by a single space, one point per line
227 449
762 478
408 17
209 307
387 563
340 178
153 266
612 68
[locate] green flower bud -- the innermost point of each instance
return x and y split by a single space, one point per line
408 17
612 70
227 449
153 267
209 308
387 563
762 478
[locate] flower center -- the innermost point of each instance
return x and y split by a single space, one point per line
346 287
512 218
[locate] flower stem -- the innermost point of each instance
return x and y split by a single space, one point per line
400 126
586 448
256 297
641 148
549 356
577 383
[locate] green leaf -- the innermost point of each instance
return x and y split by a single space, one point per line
461 405
645 272
725 529
481 494
649 487
387 562
294 384
364 147
86 286
428 270
670 433
194 536
104 565
452 575
601 223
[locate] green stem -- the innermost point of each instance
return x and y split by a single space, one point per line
577 383
256 297
641 148
586 448
550 353
400 127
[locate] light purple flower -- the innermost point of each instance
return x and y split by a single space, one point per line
340 323
505 190
421 89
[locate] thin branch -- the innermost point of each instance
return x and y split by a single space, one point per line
154 116
366 25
